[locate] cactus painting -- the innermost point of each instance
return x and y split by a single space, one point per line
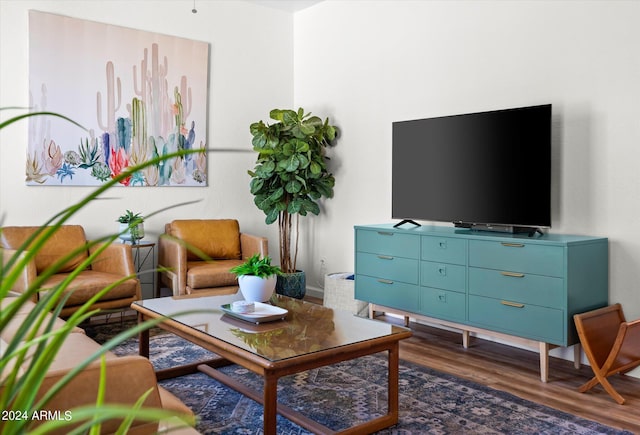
140 95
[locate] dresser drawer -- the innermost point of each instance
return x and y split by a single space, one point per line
517 257
541 290
443 276
388 243
444 249
442 304
388 267
525 320
390 293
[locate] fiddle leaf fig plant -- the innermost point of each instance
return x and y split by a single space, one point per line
291 174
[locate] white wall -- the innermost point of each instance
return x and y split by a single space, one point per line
369 63
251 72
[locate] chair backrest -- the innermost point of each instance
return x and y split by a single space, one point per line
598 330
62 243
218 239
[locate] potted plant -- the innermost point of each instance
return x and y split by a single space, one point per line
256 278
289 179
131 226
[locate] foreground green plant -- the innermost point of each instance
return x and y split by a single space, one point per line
36 342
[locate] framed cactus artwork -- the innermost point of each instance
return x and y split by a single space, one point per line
140 95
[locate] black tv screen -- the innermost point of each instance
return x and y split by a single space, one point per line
478 168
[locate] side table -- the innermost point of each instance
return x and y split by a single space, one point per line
144 254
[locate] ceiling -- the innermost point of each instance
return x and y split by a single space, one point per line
287 5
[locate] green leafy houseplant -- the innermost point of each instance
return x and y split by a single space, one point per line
291 173
131 224
256 278
36 342
130 217
256 266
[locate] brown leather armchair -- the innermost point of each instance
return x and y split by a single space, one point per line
128 378
195 255
111 265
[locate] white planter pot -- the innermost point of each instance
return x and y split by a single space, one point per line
256 289
125 233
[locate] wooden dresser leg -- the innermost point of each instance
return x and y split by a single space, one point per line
544 361
577 355
465 339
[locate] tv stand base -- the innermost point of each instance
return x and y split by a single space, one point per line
510 229
406 221
542 347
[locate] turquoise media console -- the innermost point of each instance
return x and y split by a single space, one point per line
509 286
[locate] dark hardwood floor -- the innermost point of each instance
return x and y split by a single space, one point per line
516 371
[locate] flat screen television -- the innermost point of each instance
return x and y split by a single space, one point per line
487 170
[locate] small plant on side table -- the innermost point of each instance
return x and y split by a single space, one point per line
131 226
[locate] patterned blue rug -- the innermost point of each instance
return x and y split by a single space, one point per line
351 392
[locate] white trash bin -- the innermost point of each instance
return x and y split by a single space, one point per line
339 291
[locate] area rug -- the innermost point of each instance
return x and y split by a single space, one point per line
345 394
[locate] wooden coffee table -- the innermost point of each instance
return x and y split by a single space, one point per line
310 336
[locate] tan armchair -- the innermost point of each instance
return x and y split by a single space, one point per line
128 378
194 256
111 265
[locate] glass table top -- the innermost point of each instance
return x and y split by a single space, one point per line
307 328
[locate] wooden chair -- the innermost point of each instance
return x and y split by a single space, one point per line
611 344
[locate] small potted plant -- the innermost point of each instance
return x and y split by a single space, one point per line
256 278
131 226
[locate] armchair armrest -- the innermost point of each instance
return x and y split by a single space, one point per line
625 352
251 245
629 333
172 254
128 378
117 258
28 273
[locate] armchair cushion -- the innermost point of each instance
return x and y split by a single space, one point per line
217 239
205 274
62 243
89 282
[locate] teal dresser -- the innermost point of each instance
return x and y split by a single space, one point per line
513 287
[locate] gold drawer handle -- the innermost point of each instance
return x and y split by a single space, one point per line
385 281
385 233
513 274
513 245
385 257
512 304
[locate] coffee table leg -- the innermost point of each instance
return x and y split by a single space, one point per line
270 396
394 379
143 345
